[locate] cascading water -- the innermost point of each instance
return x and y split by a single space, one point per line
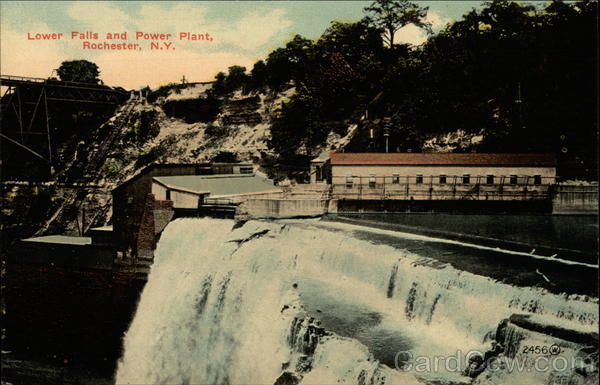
244 305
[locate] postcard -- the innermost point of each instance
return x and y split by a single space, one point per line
299 192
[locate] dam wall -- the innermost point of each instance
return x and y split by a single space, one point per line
575 199
285 208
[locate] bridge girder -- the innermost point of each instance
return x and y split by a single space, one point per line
36 92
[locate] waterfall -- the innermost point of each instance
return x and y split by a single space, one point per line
257 303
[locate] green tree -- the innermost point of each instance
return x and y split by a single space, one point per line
300 126
79 71
236 78
391 15
258 75
219 87
295 62
356 50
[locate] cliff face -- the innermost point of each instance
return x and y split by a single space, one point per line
194 126
77 196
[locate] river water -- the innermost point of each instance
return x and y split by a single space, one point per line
328 302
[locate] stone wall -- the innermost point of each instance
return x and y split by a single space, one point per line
163 213
154 219
281 208
444 206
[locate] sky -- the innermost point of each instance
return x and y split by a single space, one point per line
242 32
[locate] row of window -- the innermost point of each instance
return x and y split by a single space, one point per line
442 179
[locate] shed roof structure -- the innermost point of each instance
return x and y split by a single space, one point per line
443 159
194 169
218 185
61 239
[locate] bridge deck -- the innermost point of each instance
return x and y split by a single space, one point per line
57 90
12 80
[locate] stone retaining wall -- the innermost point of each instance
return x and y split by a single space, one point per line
575 199
284 208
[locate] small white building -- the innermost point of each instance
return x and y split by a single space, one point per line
191 191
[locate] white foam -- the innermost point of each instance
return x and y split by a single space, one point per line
218 304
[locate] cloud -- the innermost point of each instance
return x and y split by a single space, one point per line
182 17
437 21
99 16
256 29
414 35
249 32
34 58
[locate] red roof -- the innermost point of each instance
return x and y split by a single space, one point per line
442 159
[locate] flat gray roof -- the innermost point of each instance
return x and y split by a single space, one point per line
224 184
63 239
102 228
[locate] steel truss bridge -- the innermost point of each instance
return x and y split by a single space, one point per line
25 100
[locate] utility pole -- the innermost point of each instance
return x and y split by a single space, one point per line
519 102
386 133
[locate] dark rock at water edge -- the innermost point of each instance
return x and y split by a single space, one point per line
526 322
287 378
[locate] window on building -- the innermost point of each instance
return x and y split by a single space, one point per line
246 170
349 182
442 179
537 179
466 179
395 179
419 179
489 179
168 195
513 179
372 182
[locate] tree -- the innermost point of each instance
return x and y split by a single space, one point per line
353 40
79 71
219 84
359 45
391 15
236 78
294 63
258 75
